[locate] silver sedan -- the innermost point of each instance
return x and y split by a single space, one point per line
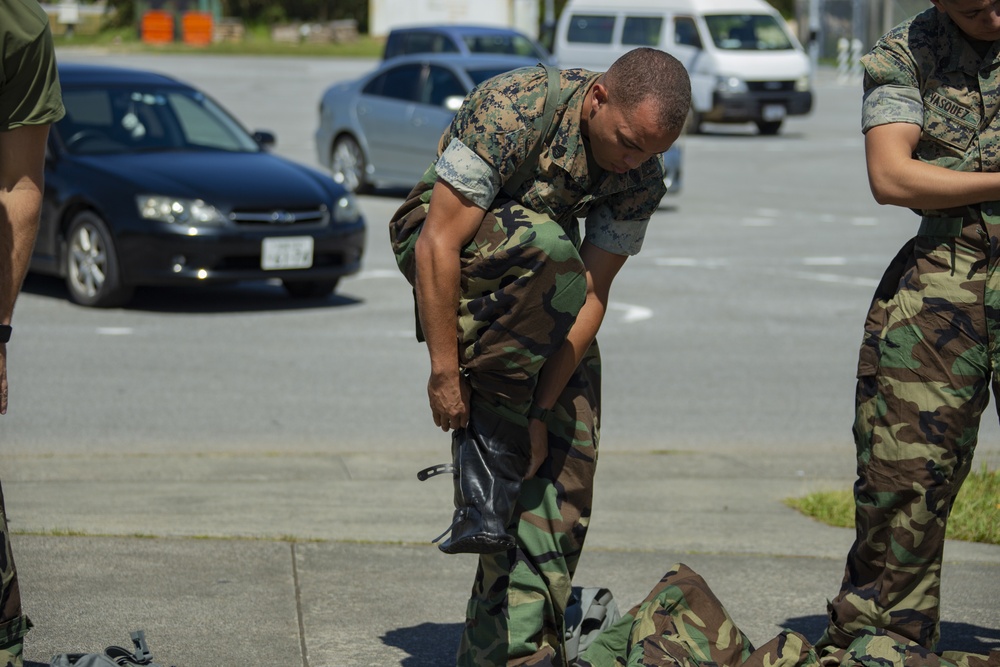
382 129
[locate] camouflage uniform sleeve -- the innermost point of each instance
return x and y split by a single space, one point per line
892 93
618 225
469 174
619 237
494 138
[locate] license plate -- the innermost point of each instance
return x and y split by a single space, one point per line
286 252
772 112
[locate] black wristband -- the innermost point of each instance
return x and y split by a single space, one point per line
538 412
5 330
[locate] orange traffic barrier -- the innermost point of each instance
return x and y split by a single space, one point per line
197 28
157 27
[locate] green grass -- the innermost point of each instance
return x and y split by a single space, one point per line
256 43
974 518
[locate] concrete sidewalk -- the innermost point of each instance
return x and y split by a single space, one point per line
266 559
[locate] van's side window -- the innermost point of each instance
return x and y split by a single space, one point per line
591 29
642 30
686 32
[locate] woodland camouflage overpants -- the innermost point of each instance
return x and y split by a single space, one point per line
926 365
522 286
13 624
681 623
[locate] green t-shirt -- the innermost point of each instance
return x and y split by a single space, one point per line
29 82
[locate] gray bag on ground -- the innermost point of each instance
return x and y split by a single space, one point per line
113 656
589 612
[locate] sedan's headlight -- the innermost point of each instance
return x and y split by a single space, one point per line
730 84
190 212
803 84
346 210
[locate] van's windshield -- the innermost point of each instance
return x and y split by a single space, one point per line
747 32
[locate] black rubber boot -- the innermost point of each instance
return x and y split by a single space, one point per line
490 457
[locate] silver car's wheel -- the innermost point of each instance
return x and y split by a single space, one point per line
347 164
92 274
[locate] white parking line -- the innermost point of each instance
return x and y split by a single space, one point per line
824 261
711 263
828 278
377 273
632 312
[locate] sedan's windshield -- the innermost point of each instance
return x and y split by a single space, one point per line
130 119
481 74
747 32
512 45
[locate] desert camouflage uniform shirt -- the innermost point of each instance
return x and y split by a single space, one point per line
927 73
496 128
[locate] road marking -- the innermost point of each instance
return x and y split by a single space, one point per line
824 261
378 273
632 312
711 263
829 278
115 331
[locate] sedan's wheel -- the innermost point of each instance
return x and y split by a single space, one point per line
768 127
310 288
92 271
347 164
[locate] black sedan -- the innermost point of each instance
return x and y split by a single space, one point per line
150 182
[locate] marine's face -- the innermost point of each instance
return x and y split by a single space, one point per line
621 141
979 19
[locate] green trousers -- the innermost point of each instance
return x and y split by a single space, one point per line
13 624
926 367
522 285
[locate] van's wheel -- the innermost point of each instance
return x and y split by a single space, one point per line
93 274
768 127
347 164
305 289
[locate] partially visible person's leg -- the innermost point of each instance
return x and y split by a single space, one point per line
923 383
523 284
13 623
515 615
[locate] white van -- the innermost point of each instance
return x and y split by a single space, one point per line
744 62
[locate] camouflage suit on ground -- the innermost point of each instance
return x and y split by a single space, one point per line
522 285
930 343
681 623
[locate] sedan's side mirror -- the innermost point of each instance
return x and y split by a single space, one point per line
453 102
265 139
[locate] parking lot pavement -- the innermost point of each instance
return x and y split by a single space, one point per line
264 565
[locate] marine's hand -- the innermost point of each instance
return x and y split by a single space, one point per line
538 433
449 399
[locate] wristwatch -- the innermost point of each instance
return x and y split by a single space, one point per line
538 412
5 330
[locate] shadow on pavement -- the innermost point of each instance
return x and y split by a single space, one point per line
227 298
428 644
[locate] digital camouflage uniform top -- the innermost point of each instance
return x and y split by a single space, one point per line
496 128
930 342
